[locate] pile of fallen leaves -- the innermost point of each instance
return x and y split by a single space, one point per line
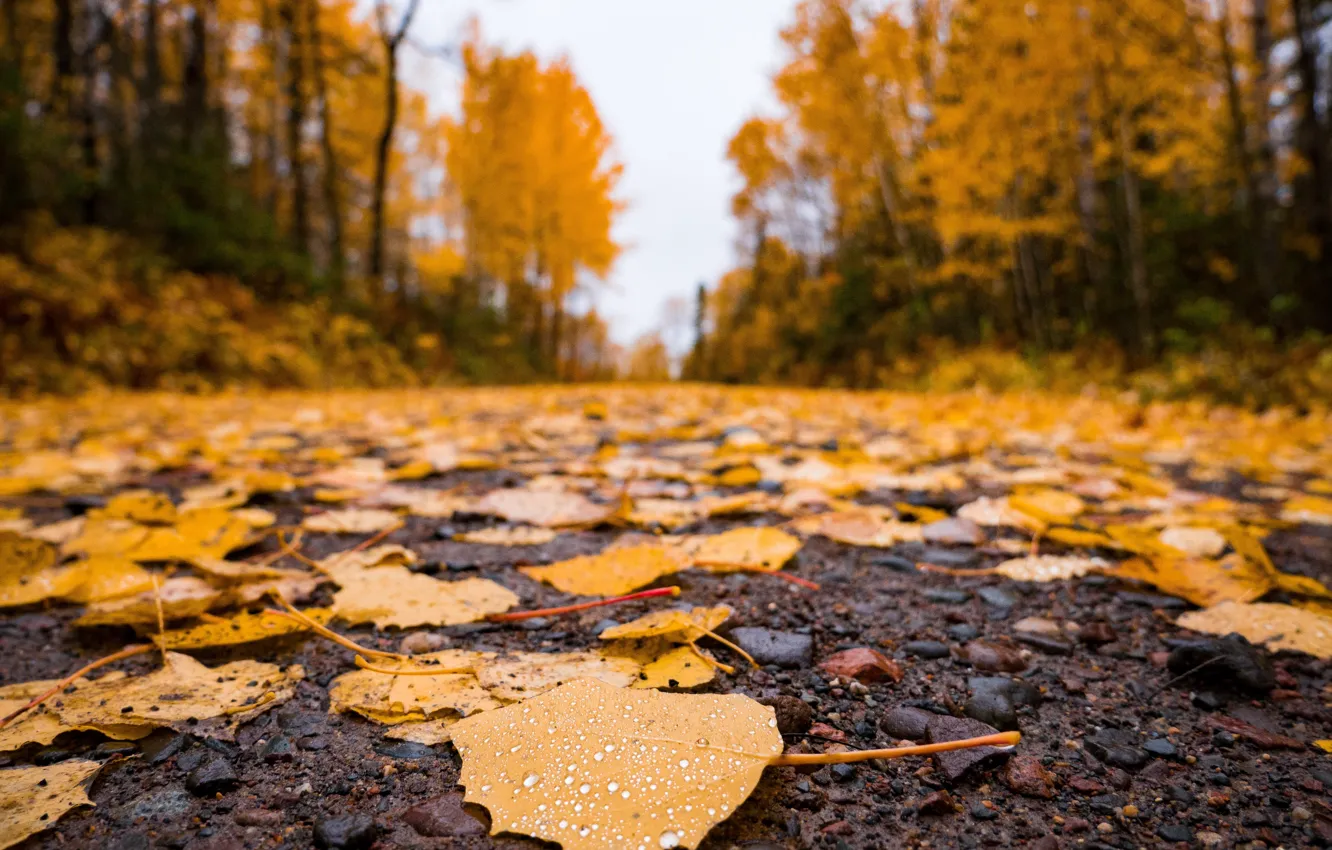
192 523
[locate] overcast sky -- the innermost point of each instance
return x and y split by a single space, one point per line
673 79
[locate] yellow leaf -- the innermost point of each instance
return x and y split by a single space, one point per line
681 667
181 597
211 533
624 746
395 596
1046 568
552 509
101 579
413 471
1050 506
241 629
1273 625
1202 582
33 799
389 699
142 506
1079 537
515 536
612 573
525 674
764 549
740 476
428 732
1196 542
685 625
858 528
1324 745
100 536
1311 509
351 521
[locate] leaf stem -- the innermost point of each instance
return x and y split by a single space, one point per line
926 567
127 652
420 671
724 642
515 616
1001 739
796 580
370 541
293 614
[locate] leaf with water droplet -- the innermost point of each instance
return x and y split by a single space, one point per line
626 748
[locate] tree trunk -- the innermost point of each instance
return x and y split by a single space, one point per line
92 42
62 83
13 46
1312 139
274 146
337 260
152 67
300 207
1139 283
391 43
196 82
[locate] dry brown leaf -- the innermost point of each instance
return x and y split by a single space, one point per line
615 572
763 549
33 799
351 521
547 508
522 675
1274 625
649 769
516 536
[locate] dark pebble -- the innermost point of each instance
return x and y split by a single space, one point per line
1151 600
926 649
905 723
1094 633
280 748
406 750
785 649
443 817
1209 700
948 557
794 716
445 532
992 657
603 625
1116 747
894 563
161 745
1230 661
213 776
1161 748
461 567
945 596
980 812
1175 832
50 755
994 708
843 772
109 749
1180 794
168 804
535 624
957 763
314 744
963 632
82 502
996 596
1045 643
345 832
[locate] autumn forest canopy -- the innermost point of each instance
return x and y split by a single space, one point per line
949 193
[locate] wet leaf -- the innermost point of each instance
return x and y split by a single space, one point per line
238 630
680 625
762 549
33 799
1044 568
1200 581
351 521
395 596
181 598
649 769
522 675
391 699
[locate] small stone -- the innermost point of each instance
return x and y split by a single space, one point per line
929 649
996 597
994 708
1174 832
963 632
111 749
843 772
947 596
404 750
279 749
948 557
953 531
895 563
1209 700
345 832
905 723
1116 747
1028 777
419 643
1151 600
213 776
443 817
161 745
1161 748
1038 626
445 532
1094 633
1077 825
785 649
956 763
50 755
980 812
1085 785
1104 828
1209 840
993 657
168 804
1046 644
862 664
1300 814
938 803
794 716
1230 661
258 817
1130 811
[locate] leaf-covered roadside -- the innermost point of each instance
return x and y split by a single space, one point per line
273 531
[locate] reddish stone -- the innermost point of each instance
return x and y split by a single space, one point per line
1283 695
863 664
1261 737
1158 659
1097 633
993 657
823 730
1084 785
1027 776
938 803
838 827
1077 825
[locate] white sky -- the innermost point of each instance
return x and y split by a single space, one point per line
673 80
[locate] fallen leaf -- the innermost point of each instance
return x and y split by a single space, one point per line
351 521
1314 510
391 699
181 597
677 667
615 572
1200 581
516 536
682 625
1264 739
238 630
1045 568
858 528
1271 624
1194 541
395 596
1048 506
33 799
521 675
428 732
650 769
551 509
764 549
